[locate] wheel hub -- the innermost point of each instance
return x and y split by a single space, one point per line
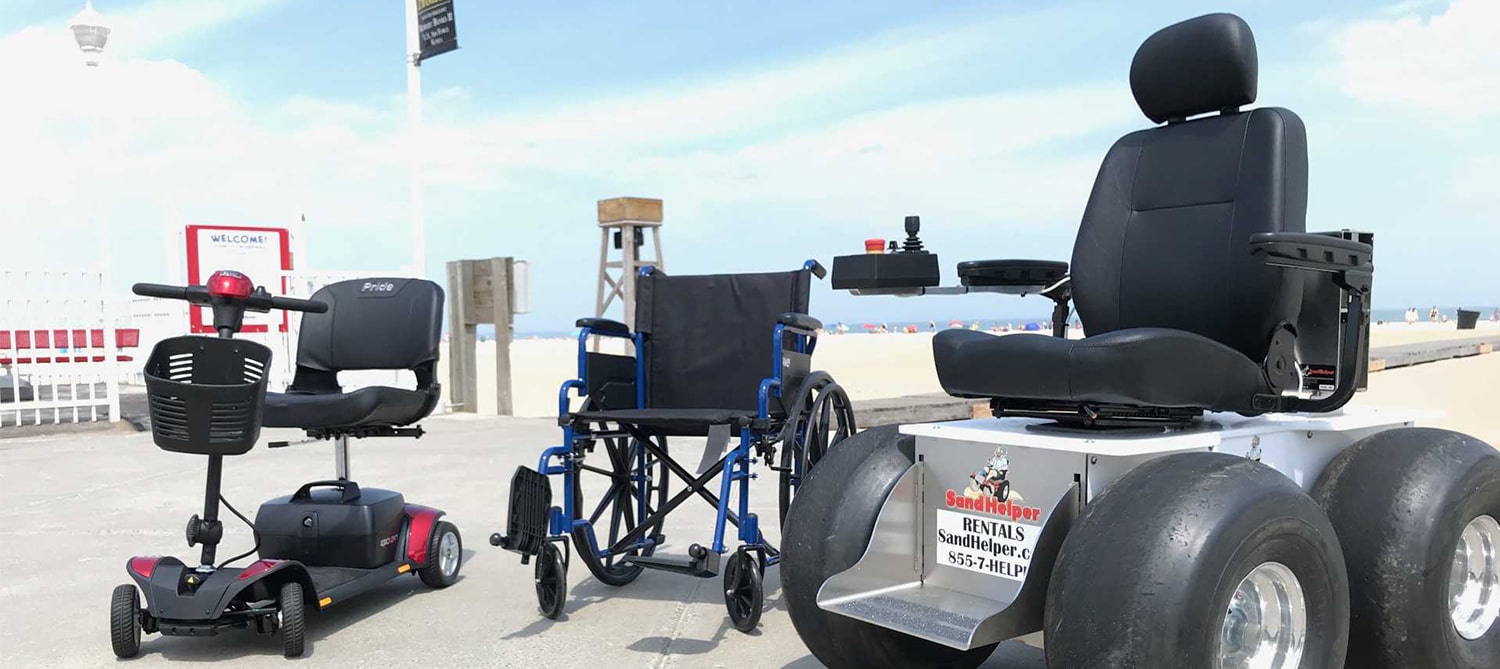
448 554
1474 580
1265 625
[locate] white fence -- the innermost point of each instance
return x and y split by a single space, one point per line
59 348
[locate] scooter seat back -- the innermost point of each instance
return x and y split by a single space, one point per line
376 323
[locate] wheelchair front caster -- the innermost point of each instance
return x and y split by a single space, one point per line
743 595
551 581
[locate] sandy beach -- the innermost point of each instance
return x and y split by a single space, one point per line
869 366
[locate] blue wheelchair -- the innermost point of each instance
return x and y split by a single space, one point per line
715 356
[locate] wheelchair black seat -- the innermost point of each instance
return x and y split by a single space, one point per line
1177 310
708 346
371 324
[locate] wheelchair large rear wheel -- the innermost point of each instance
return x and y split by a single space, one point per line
637 488
825 419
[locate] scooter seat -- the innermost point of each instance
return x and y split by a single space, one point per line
375 406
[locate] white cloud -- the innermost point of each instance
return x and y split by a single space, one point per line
836 138
1448 63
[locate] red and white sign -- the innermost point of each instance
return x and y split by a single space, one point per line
263 254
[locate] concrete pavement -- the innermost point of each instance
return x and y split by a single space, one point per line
75 507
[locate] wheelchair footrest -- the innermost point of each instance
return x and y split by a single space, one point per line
704 567
530 502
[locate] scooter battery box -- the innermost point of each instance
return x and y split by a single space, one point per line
323 529
871 271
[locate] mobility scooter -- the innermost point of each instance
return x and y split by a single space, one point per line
1185 486
330 540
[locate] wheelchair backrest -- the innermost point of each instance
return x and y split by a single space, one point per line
709 337
376 323
1165 237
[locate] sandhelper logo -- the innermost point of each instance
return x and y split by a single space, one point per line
378 287
989 491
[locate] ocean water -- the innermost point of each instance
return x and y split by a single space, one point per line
1041 322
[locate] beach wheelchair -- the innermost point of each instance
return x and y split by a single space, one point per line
1188 485
724 357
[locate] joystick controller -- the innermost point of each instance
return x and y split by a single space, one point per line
903 270
913 242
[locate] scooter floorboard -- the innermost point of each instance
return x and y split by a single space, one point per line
336 584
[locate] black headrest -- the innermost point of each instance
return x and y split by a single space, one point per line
1200 65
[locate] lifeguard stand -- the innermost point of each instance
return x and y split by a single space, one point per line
623 222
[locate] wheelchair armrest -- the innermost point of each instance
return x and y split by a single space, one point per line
1310 251
603 325
800 321
1031 276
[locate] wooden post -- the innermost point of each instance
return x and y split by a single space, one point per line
627 217
501 287
480 291
463 381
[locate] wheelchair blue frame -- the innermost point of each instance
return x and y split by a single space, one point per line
735 465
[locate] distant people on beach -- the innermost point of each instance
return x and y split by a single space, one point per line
1411 316
1495 316
1434 314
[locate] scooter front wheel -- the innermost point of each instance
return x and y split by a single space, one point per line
125 621
292 610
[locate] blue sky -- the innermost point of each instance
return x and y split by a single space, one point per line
774 131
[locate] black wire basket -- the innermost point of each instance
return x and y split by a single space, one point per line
206 394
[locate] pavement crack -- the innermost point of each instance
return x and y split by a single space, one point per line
665 659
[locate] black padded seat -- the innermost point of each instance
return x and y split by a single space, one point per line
1154 367
375 406
671 422
375 323
1177 310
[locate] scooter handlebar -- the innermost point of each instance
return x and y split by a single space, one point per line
294 304
260 300
194 294
160 290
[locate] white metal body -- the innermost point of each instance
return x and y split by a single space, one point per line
952 562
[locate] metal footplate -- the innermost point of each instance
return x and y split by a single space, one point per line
900 584
701 562
937 614
526 527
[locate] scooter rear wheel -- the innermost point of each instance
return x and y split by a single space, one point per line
444 556
125 621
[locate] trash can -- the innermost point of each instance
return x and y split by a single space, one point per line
1467 319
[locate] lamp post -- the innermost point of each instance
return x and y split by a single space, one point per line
418 188
91 34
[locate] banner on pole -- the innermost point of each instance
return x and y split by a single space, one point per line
437 33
